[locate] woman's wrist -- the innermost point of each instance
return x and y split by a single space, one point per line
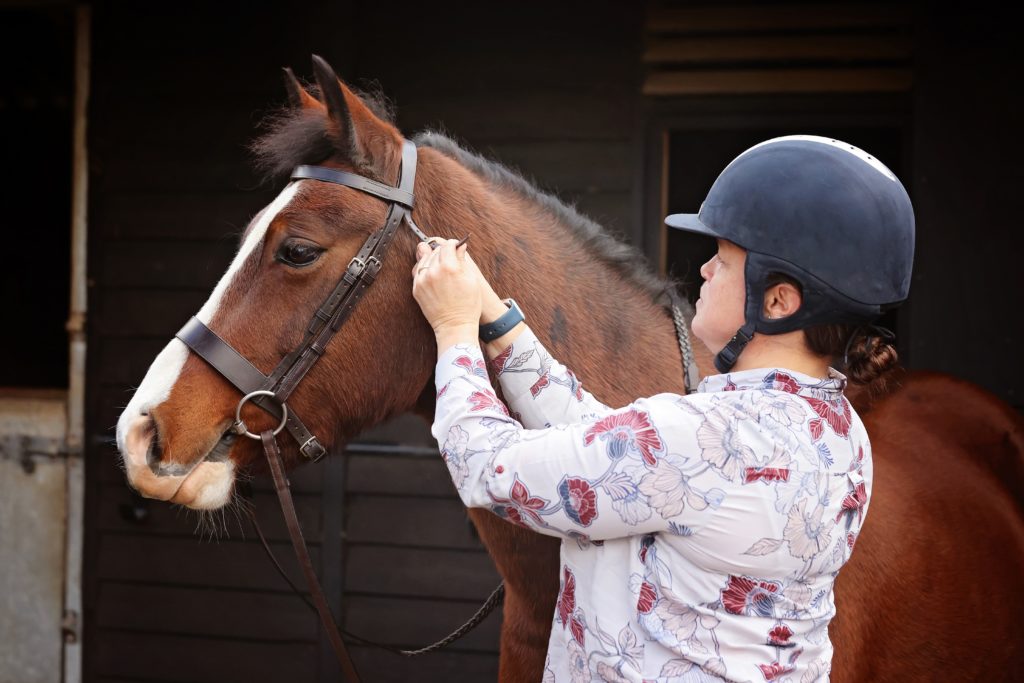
450 335
492 309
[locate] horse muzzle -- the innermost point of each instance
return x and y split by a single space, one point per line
205 485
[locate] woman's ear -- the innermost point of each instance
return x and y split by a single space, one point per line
781 301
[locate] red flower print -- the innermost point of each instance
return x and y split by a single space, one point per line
578 630
486 400
729 385
497 363
744 595
524 501
780 635
540 384
645 542
567 598
851 539
511 514
443 390
471 365
817 426
627 431
835 412
765 474
521 503
854 502
781 381
648 596
578 499
774 670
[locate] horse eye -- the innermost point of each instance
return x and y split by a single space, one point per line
298 253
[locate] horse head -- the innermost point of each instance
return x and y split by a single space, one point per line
175 434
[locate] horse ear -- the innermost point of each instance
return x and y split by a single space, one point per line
299 97
362 138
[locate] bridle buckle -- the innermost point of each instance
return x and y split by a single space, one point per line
312 449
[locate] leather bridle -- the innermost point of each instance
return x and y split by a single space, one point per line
271 392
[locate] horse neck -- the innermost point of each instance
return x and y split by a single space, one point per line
597 320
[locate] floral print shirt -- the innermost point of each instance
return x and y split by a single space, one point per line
701 534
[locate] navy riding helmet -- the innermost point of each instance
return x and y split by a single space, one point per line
821 211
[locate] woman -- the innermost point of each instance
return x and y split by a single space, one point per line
702 533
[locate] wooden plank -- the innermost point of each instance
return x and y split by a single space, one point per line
446 665
433 522
188 562
408 429
536 115
611 210
415 623
215 216
126 512
197 660
205 612
124 360
778 48
737 18
174 265
398 475
144 312
777 81
423 573
576 167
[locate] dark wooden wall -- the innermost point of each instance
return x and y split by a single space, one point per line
177 93
968 287
554 90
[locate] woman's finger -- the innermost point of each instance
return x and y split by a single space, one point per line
449 257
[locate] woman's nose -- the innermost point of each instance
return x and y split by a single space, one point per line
705 270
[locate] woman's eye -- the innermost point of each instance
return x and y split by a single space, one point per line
298 253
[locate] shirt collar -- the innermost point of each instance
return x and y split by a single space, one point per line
778 379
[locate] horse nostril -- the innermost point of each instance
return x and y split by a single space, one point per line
155 451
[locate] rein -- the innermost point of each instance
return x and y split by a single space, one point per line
271 392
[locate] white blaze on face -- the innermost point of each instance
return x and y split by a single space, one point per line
163 373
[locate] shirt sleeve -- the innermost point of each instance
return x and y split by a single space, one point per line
626 473
540 391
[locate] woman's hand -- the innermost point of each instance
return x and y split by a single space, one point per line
446 285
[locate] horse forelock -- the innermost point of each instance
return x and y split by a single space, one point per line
294 136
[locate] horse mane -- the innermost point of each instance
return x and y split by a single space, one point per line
626 259
295 137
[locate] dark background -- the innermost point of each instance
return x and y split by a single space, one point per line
611 105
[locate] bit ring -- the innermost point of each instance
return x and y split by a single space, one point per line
239 426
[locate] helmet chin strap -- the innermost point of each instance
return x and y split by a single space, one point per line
727 357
